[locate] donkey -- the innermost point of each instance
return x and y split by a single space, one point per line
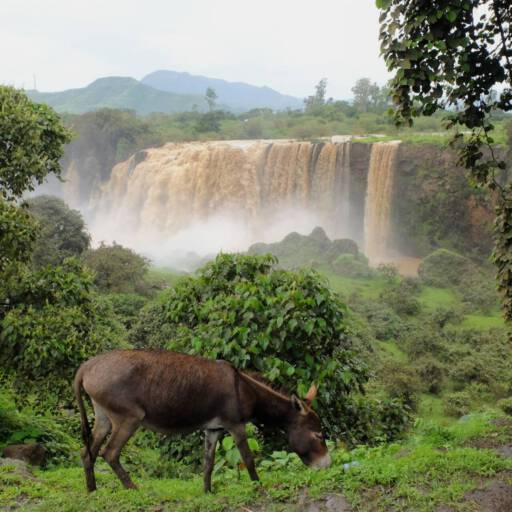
171 392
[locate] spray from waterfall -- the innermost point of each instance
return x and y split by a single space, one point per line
377 215
205 197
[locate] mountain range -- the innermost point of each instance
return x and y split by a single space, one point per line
166 92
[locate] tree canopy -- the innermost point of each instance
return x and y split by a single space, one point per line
456 56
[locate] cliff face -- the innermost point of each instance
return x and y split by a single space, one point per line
393 199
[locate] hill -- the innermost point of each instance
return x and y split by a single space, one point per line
118 92
236 95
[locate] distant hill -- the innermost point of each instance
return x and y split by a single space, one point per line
119 92
237 96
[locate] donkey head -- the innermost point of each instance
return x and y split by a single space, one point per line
305 432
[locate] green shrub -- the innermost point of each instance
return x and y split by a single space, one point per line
352 265
54 322
471 369
127 306
443 268
62 231
399 380
400 296
287 325
505 404
431 373
118 269
457 404
384 322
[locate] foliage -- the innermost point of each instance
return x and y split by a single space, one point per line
210 97
457 403
400 381
62 231
455 55
17 235
505 404
443 268
352 266
31 143
126 306
52 324
117 269
431 372
401 296
287 325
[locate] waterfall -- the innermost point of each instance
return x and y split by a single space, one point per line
377 214
260 190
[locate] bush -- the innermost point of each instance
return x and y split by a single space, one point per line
385 323
443 268
400 295
54 322
471 369
62 231
505 404
127 307
352 266
118 269
431 372
287 325
400 381
457 404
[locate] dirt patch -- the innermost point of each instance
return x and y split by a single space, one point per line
495 497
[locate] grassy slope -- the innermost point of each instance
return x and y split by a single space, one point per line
435 465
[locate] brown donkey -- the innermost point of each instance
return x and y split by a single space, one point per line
171 392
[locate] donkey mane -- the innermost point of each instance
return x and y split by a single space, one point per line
260 380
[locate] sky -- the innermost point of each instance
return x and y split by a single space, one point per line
288 45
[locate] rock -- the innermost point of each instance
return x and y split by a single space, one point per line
19 468
34 453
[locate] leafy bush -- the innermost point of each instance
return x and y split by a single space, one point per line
478 291
385 323
471 369
53 323
400 381
287 325
431 372
375 420
443 268
457 404
62 231
117 269
505 404
352 266
127 306
400 295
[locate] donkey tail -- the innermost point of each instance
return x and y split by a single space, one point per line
86 455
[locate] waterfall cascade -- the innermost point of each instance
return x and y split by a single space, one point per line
379 192
267 188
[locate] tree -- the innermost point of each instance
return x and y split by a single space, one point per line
366 94
454 55
31 143
315 102
117 268
288 325
210 97
62 231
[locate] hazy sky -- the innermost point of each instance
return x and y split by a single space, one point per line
285 44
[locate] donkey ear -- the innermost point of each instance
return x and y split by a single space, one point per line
311 394
299 406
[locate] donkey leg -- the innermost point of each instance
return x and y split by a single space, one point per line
100 431
240 436
122 430
102 427
210 444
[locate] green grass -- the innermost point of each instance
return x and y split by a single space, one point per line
390 348
431 298
367 287
434 466
163 276
483 322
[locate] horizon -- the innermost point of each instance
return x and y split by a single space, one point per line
58 48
